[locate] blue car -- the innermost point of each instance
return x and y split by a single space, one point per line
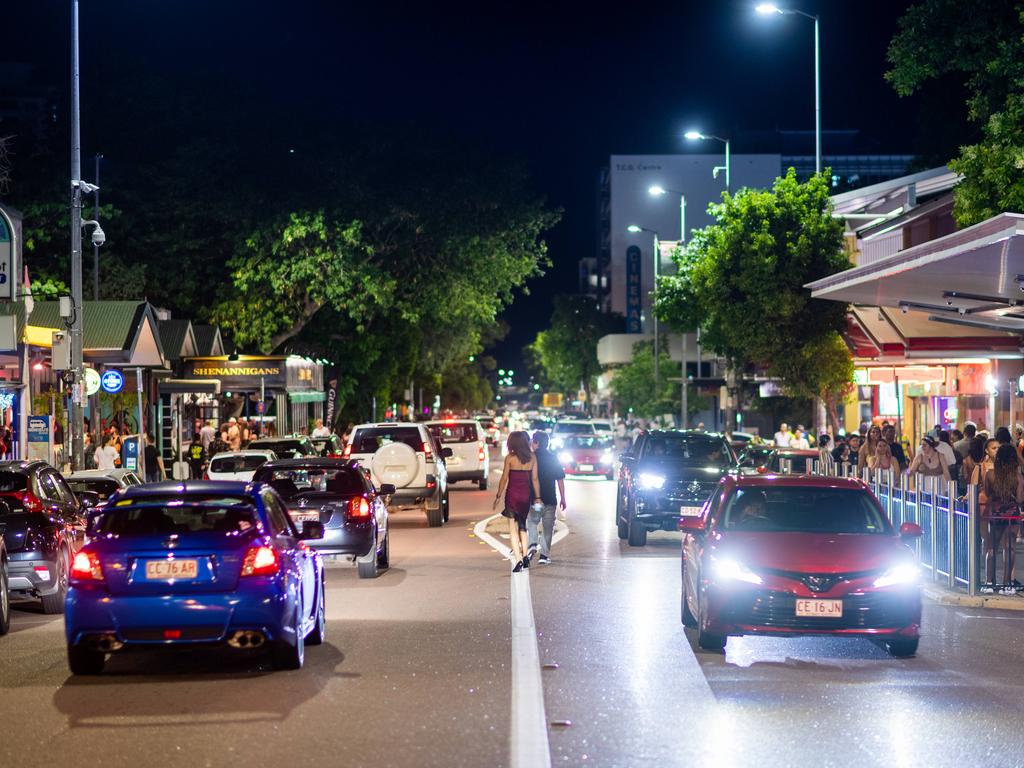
195 563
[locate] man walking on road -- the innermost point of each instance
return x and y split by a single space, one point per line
549 474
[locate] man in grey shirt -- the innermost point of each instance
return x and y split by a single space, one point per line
962 446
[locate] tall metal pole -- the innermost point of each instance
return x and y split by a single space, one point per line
657 346
728 181
78 392
95 247
143 469
817 99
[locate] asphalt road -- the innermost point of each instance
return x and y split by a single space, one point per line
416 672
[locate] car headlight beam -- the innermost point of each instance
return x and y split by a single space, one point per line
732 570
903 575
651 482
565 457
606 457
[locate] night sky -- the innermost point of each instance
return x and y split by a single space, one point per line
559 85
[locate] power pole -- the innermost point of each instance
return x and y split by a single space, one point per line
77 386
95 246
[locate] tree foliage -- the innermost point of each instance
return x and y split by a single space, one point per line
633 389
566 352
982 44
741 281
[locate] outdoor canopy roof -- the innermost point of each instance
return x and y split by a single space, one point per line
973 278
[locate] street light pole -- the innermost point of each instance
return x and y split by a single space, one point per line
634 228
95 246
770 8
77 390
698 136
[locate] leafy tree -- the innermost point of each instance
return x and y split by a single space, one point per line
741 281
632 386
981 44
567 351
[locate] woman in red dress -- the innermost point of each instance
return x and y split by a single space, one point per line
518 487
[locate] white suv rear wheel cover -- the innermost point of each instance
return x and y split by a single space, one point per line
395 463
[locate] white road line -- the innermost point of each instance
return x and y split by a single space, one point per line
528 736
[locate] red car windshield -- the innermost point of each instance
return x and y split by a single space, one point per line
803 509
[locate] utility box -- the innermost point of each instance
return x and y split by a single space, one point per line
61 351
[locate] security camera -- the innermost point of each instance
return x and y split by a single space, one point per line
99 237
87 188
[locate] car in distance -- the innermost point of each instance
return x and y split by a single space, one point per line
564 429
103 482
43 521
408 457
667 474
798 555
587 455
329 446
285 447
237 465
337 494
469 459
195 563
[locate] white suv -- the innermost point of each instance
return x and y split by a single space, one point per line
409 457
468 443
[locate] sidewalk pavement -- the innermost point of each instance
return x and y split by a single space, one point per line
945 596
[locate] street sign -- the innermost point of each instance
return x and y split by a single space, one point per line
40 438
112 381
92 381
552 399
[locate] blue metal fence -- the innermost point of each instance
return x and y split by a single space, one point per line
948 549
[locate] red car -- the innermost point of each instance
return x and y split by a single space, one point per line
799 555
587 455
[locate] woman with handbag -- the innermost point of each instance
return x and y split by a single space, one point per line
518 487
1004 491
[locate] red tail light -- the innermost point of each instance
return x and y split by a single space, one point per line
31 502
86 566
427 450
348 450
482 455
358 508
206 475
260 561
762 470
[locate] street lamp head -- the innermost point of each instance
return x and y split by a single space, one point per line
693 135
656 190
634 228
767 8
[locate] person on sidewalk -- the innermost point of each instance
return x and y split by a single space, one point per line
518 487
1004 491
549 475
154 462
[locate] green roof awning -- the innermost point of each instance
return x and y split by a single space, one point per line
307 397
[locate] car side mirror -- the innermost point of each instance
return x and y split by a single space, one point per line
746 462
627 456
911 530
88 499
311 529
692 524
447 452
386 489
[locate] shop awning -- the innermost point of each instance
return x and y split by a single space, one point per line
307 397
188 386
972 279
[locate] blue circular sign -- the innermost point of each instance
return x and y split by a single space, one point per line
111 381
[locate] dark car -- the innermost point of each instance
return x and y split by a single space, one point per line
667 474
792 461
286 447
330 446
43 520
5 595
192 563
338 494
799 555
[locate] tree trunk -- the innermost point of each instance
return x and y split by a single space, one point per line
310 308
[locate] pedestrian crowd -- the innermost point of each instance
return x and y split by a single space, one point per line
971 456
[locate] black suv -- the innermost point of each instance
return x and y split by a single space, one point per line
665 475
42 522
